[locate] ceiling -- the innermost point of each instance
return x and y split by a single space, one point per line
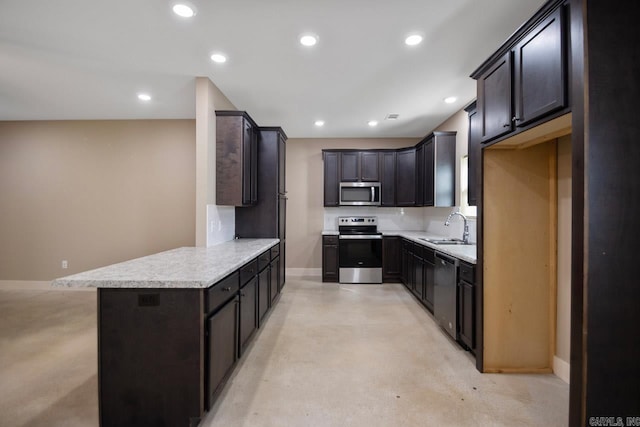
78 59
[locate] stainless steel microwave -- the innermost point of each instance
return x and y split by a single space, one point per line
359 194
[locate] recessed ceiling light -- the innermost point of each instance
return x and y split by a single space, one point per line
373 123
144 97
308 40
413 39
183 10
392 116
319 123
219 58
450 100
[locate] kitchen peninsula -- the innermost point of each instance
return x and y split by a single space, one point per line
171 327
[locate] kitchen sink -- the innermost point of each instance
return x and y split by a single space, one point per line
444 241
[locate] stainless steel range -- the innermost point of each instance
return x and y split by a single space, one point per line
360 250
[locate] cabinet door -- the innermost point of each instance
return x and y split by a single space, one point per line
330 272
263 293
406 177
420 175
427 297
331 178
540 71
350 166
391 258
466 313
405 262
222 331
369 166
282 265
494 99
282 161
474 156
388 179
429 172
274 289
247 313
247 163
418 267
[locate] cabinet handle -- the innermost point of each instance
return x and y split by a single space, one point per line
506 125
516 119
226 289
242 294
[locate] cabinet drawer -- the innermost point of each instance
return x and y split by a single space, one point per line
275 251
264 259
329 240
467 273
248 271
429 255
219 293
417 250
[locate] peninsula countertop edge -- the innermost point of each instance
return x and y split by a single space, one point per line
180 268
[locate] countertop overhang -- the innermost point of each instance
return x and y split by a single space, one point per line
187 267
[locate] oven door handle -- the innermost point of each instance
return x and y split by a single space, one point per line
359 237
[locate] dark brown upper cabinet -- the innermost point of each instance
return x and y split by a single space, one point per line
406 177
494 94
331 178
350 166
525 82
540 71
369 166
420 175
358 166
473 151
436 170
388 178
236 159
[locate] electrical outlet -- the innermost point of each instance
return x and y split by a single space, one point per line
65 263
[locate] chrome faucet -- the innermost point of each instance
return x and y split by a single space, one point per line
465 234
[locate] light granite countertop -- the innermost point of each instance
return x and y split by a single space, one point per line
187 267
466 253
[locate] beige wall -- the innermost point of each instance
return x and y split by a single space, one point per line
93 193
563 319
305 211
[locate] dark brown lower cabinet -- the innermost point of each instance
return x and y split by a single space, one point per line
330 271
391 258
222 345
405 262
248 298
264 279
274 289
429 270
466 305
418 270
166 354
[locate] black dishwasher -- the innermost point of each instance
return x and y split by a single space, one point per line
445 302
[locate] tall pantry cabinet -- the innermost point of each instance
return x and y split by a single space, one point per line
267 218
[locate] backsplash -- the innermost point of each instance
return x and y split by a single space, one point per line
221 224
409 219
434 219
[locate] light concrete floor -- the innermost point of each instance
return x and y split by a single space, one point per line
329 355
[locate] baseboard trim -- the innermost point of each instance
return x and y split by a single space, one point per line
561 369
304 272
36 285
